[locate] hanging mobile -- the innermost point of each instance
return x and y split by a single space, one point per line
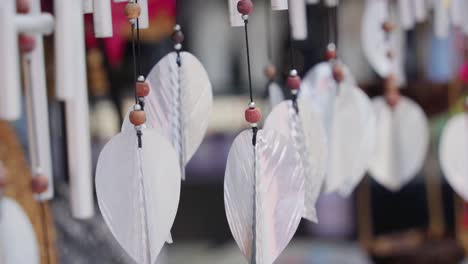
264 183
402 128
347 115
138 176
298 121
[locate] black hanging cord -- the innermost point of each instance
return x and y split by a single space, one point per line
135 67
246 22
291 43
268 34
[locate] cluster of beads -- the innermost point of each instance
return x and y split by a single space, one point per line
331 52
177 37
293 82
138 117
388 27
253 115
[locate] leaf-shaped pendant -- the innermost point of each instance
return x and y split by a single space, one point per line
275 94
138 192
350 124
179 103
306 132
18 242
403 139
263 194
453 153
376 45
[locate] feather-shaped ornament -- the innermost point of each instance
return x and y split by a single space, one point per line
350 124
179 103
263 185
403 140
305 129
453 153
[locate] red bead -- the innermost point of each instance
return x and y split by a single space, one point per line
338 73
178 37
253 115
388 26
392 97
294 82
331 54
137 118
245 7
26 43
40 184
22 6
142 89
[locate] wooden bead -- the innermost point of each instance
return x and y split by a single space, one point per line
253 115
388 26
178 37
338 73
270 72
142 89
392 97
245 7
294 82
132 10
26 43
40 184
137 118
22 6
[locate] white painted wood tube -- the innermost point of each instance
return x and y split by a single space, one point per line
420 10
64 49
88 6
102 16
10 93
332 3
279 4
235 18
312 2
35 23
143 20
78 132
298 19
405 10
37 110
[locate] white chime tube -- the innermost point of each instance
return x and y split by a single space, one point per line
298 19
35 23
406 14
88 6
37 107
77 123
64 49
312 2
102 17
332 3
420 10
279 4
10 93
235 18
143 20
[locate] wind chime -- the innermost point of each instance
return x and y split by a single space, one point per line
262 172
297 120
159 136
347 115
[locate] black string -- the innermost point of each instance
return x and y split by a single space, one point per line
336 27
246 22
135 71
268 33
291 44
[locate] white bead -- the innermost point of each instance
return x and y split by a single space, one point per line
252 105
178 46
137 128
293 72
245 17
137 107
141 99
253 124
331 47
294 91
132 21
141 78
177 27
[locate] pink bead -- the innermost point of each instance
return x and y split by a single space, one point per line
22 6
245 7
294 82
253 115
26 43
463 73
40 184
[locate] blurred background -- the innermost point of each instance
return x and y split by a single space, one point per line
417 224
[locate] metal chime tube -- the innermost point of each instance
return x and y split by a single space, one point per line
279 4
10 93
102 18
36 98
88 6
298 19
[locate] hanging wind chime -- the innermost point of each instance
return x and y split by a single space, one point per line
138 172
262 172
347 114
297 120
402 129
